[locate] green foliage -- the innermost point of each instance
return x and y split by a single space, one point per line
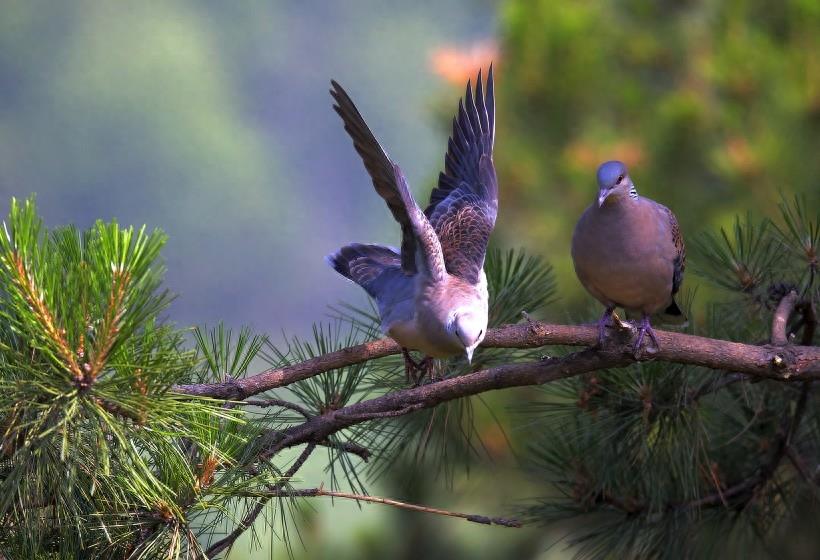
330 390
96 452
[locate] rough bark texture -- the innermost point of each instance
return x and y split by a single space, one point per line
785 363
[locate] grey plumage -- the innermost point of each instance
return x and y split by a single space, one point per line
628 251
432 294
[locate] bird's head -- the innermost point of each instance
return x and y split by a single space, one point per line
469 327
614 182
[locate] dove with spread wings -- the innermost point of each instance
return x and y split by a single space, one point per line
432 293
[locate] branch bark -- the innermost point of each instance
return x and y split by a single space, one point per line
780 320
783 363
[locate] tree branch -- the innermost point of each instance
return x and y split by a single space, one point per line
427 396
790 363
317 492
780 319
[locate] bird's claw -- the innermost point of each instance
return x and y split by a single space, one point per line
645 328
415 372
602 324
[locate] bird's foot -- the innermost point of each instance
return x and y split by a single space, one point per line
414 371
411 367
645 328
602 324
427 369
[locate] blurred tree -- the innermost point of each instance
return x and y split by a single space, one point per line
714 105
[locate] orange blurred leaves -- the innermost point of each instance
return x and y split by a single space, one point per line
456 65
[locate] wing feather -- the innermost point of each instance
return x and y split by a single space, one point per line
680 247
380 167
464 205
419 244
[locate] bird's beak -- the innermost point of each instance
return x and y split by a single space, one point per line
469 353
602 194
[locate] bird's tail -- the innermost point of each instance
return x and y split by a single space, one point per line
673 315
364 264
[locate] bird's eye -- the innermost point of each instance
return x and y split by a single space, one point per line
620 178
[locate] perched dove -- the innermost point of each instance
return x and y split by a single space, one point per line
432 294
628 252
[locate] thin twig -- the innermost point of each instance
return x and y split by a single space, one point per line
349 447
318 492
797 461
715 385
363 417
251 516
781 319
266 403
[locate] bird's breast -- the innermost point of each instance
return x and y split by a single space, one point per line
623 261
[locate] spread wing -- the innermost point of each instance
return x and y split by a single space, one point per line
463 207
418 240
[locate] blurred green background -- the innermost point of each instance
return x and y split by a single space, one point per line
212 121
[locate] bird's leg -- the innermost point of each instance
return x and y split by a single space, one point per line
434 369
608 312
411 367
426 369
645 328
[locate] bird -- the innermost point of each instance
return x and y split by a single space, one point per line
431 293
628 252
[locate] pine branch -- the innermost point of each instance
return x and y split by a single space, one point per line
111 322
792 363
740 493
279 377
35 300
319 492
